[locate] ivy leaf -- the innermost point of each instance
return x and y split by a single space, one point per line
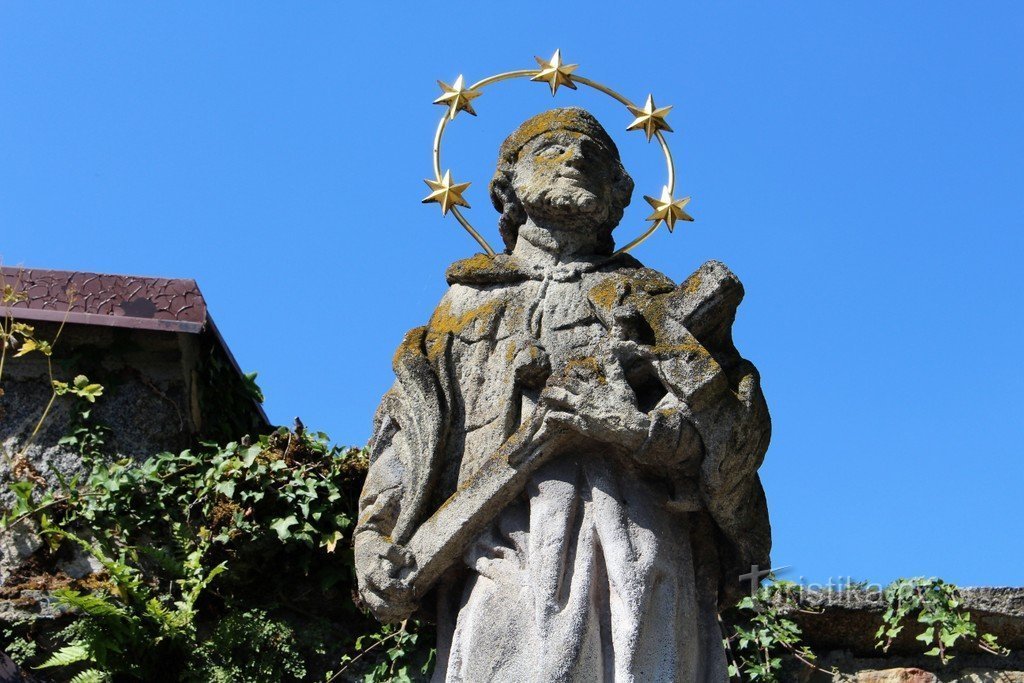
281 526
331 541
250 456
226 487
27 346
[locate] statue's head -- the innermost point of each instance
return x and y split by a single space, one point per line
561 169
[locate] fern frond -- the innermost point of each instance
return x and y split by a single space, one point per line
91 676
165 560
93 604
67 655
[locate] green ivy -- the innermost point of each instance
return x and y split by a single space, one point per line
762 640
406 655
934 604
219 563
763 636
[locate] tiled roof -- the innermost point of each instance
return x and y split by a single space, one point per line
147 303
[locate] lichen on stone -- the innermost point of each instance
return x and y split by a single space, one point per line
482 269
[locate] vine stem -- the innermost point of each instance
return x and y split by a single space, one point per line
5 329
728 644
45 506
805 661
360 655
49 369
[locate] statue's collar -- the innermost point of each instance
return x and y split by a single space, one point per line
504 269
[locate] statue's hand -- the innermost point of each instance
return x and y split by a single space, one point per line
381 567
592 397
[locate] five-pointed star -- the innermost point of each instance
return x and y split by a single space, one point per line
554 72
649 119
457 97
446 193
668 209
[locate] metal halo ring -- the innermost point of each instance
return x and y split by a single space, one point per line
532 74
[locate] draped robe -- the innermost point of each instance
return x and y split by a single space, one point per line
604 567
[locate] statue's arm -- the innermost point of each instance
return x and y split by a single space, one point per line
735 434
381 497
381 563
728 413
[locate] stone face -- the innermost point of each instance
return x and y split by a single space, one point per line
566 466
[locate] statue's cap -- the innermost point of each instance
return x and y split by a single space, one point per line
567 118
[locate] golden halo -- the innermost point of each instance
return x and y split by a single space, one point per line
650 119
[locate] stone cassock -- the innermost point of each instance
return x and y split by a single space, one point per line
611 560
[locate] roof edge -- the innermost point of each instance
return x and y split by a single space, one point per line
104 320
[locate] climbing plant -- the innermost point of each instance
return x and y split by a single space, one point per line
763 635
936 605
218 563
763 641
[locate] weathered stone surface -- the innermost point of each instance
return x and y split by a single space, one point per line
17 543
899 675
848 619
567 463
919 675
161 389
840 625
990 676
80 564
146 401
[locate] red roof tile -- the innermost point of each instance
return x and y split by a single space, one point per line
147 303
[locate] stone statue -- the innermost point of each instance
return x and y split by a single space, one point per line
604 554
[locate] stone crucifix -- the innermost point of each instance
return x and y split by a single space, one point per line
564 474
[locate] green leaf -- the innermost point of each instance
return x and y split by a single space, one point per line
67 655
226 487
27 346
281 526
250 456
91 676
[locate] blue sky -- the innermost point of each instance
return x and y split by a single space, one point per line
858 165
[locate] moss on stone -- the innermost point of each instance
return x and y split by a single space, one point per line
444 323
586 367
486 270
692 283
608 293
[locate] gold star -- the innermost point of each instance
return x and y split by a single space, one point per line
555 73
649 119
457 97
668 209
446 193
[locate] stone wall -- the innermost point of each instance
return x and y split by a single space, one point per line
163 391
146 401
840 627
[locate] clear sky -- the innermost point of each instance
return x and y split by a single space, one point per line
859 166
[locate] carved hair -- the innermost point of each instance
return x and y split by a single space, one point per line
503 195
